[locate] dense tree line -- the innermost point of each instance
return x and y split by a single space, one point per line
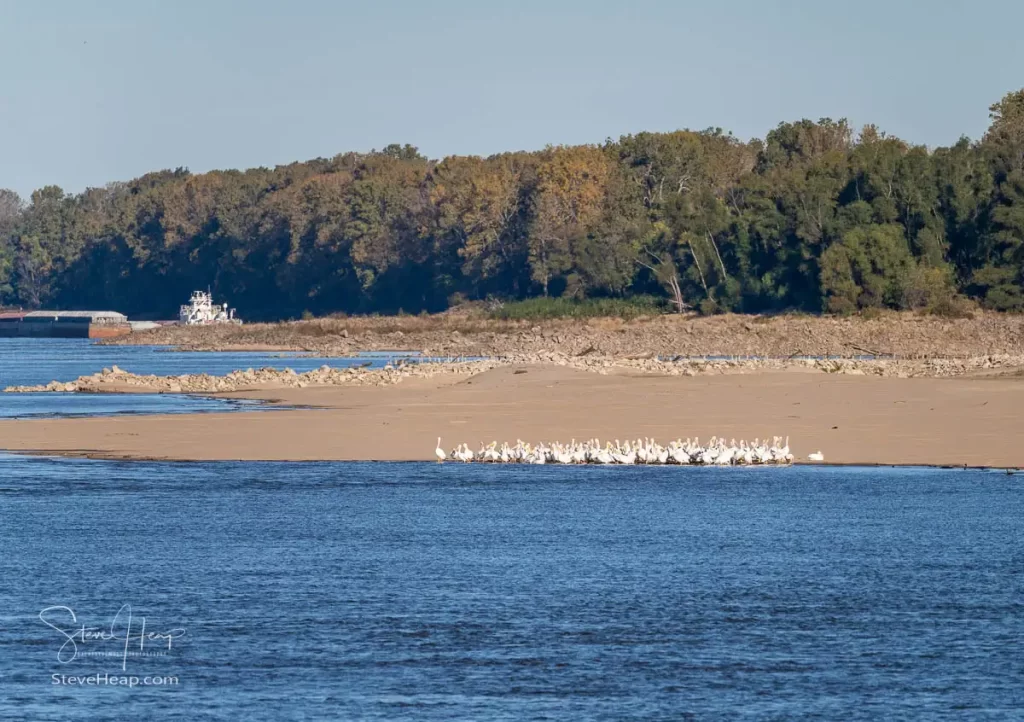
810 218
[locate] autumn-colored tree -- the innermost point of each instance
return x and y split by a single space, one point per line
809 218
384 202
572 183
480 215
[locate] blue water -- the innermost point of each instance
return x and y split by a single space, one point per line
355 591
26 362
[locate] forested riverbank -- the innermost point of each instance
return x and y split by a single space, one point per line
815 217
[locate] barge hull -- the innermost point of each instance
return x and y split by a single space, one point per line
63 324
97 331
59 330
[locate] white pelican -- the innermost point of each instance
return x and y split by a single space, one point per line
816 456
631 451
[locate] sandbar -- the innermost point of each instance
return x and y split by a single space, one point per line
851 419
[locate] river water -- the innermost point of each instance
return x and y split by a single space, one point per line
25 362
441 592
361 591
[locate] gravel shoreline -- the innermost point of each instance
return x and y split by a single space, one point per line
116 380
899 335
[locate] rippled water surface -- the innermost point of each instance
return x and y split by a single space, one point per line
442 592
25 362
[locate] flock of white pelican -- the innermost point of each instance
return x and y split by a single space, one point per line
718 452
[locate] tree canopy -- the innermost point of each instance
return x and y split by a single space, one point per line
815 217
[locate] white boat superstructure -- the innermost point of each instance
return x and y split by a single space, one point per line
201 311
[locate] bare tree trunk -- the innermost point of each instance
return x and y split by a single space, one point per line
715 246
672 281
677 293
700 272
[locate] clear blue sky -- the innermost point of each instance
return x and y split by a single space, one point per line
102 90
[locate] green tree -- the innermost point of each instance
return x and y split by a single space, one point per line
10 217
1005 136
44 245
867 268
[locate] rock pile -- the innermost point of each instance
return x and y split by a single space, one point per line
889 334
116 380
684 366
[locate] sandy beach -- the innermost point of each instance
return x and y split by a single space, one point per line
971 421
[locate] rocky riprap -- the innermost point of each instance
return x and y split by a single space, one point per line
455 334
117 380
897 368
